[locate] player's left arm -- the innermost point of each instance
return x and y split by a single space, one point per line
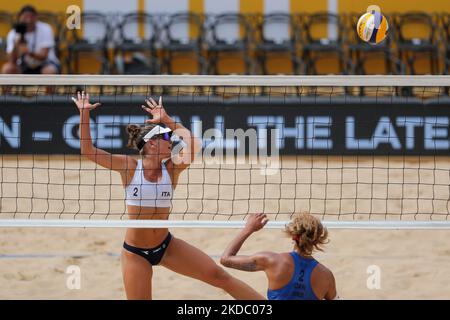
191 144
257 262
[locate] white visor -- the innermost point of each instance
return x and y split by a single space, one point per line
154 132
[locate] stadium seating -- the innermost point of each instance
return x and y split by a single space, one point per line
412 46
446 42
93 43
179 44
140 43
278 34
317 47
221 44
135 50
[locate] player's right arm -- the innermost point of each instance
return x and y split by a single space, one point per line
261 261
101 157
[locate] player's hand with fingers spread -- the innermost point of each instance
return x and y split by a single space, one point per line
156 110
256 222
83 103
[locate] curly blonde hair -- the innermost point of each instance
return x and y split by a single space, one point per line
307 232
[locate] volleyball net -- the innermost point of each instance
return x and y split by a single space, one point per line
356 151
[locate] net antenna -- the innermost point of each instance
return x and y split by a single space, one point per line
377 161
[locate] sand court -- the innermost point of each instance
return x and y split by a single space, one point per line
413 263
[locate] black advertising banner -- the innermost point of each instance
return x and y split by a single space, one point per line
295 127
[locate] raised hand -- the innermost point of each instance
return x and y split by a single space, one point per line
256 222
156 110
83 102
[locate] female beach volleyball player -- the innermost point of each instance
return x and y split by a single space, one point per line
292 275
149 184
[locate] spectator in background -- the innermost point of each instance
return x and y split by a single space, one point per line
30 46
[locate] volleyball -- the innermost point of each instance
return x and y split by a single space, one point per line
372 27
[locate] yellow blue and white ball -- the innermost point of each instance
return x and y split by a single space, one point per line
372 27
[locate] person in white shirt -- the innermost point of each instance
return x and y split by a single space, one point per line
30 46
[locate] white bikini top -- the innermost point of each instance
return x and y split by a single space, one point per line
143 193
